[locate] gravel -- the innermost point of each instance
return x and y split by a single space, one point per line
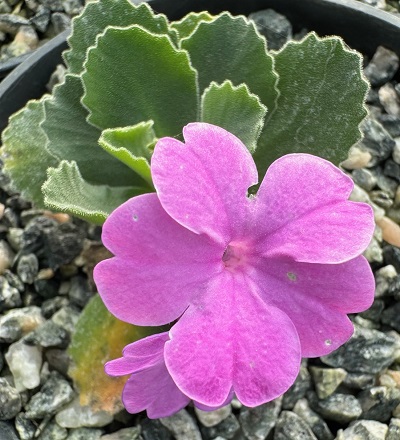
353 393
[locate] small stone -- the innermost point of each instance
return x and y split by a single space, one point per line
392 169
391 255
364 178
382 66
327 380
212 418
275 27
5 8
54 394
391 316
58 359
381 198
10 400
389 99
48 335
227 429
79 292
365 323
7 432
378 403
258 422
396 150
46 288
25 427
123 434
9 296
299 389
52 431
316 423
154 430
27 36
182 426
391 124
390 231
367 351
341 408
18 322
66 317
60 22
41 19
292 427
53 5
6 256
24 362
14 281
383 277
394 430
357 159
364 430
375 311
14 237
74 415
376 139
10 218
52 305
373 253
86 434
11 23
28 268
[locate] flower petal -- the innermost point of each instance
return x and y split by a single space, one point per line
203 183
155 391
317 297
231 340
304 199
159 265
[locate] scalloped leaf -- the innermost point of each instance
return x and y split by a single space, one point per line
157 78
71 138
98 15
231 48
27 159
189 22
235 109
98 338
65 190
131 145
321 102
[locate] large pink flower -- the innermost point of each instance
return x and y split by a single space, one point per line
256 282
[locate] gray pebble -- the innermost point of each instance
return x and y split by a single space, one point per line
381 198
46 288
378 403
154 430
327 380
383 277
41 19
368 351
123 434
25 427
182 426
14 281
6 256
11 23
342 408
314 420
292 427
28 268
60 22
375 311
212 418
5 8
392 170
66 317
391 124
382 66
373 253
275 27
53 5
258 422
85 434
52 305
10 400
58 360
364 178
9 296
227 429
54 394
299 389
394 430
52 431
48 335
391 316
10 218
14 237
7 431
79 292
364 430
391 254
376 139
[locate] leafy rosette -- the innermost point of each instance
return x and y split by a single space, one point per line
254 282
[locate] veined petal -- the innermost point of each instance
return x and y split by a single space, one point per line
231 340
203 183
159 264
317 297
302 211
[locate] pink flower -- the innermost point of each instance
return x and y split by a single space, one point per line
256 282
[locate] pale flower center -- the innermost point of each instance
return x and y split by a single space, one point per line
234 256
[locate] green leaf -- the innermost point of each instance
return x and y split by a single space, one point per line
235 109
97 15
321 102
26 158
152 81
98 338
189 22
131 145
71 138
231 48
65 190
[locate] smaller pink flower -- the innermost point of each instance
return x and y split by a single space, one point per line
254 282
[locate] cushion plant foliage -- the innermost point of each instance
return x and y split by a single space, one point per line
132 78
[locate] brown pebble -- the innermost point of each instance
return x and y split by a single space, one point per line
357 159
390 230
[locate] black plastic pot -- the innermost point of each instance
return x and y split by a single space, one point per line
362 27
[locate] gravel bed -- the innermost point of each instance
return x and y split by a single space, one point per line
46 261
